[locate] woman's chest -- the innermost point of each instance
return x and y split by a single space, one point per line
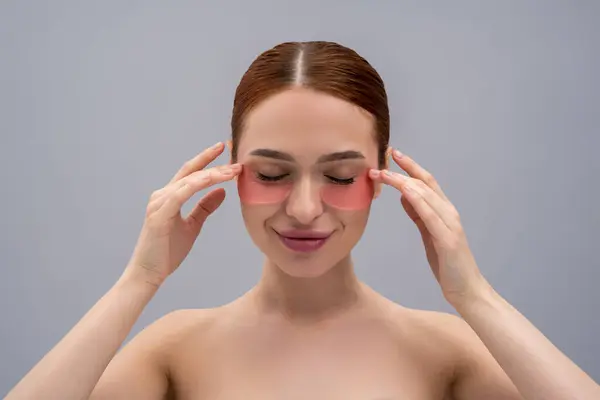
345 367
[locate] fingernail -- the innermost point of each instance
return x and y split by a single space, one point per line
388 172
217 145
398 154
374 173
227 171
235 167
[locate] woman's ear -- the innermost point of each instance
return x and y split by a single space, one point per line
229 145
388 155
377 191
386 164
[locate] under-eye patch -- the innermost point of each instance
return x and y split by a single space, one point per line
257 188
354 193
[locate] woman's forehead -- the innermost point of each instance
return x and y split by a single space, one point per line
308 125
308 148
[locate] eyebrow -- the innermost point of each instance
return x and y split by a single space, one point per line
337 156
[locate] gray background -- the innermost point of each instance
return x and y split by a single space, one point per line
101 102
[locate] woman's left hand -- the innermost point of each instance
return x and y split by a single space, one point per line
439 223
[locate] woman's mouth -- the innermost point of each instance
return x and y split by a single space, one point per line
303 241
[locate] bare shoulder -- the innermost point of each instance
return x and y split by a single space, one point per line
169 332
475 373
434 338
159 342
441 324
180 322
425 324
141 369
447 330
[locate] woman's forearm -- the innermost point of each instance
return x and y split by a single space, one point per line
537 368
74 366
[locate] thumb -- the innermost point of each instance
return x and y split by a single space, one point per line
206 206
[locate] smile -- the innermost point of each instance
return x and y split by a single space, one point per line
303 241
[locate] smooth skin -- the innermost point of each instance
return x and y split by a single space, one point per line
362 346
537 368
72 368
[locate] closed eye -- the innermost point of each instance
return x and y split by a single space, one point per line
270 178
339 181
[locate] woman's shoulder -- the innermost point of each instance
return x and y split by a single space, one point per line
168 332
420 325
184 321
442 333
419 320
437 322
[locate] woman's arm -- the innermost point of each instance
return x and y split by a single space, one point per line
535 366
72 368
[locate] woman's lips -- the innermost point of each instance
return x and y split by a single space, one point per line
303 241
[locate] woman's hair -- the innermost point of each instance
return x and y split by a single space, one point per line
322 66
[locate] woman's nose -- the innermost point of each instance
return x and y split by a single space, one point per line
304 202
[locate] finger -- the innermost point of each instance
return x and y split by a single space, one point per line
159 197
442 207
414 170
391 178
412 214
429 217
409 209
206 206
428 206
418 222
199 162
188 186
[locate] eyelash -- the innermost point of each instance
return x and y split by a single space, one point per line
268 178
336 181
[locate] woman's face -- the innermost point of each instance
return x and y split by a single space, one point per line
304 190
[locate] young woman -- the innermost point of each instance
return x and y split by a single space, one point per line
309 151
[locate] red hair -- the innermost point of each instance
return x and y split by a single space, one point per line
323 66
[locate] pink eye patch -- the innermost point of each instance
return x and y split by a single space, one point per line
346 196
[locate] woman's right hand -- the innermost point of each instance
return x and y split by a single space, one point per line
167 237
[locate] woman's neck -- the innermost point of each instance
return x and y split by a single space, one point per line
309 299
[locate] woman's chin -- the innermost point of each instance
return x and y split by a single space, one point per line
302 263
299 267
295 271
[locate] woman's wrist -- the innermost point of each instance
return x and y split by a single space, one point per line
140 278
478 294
